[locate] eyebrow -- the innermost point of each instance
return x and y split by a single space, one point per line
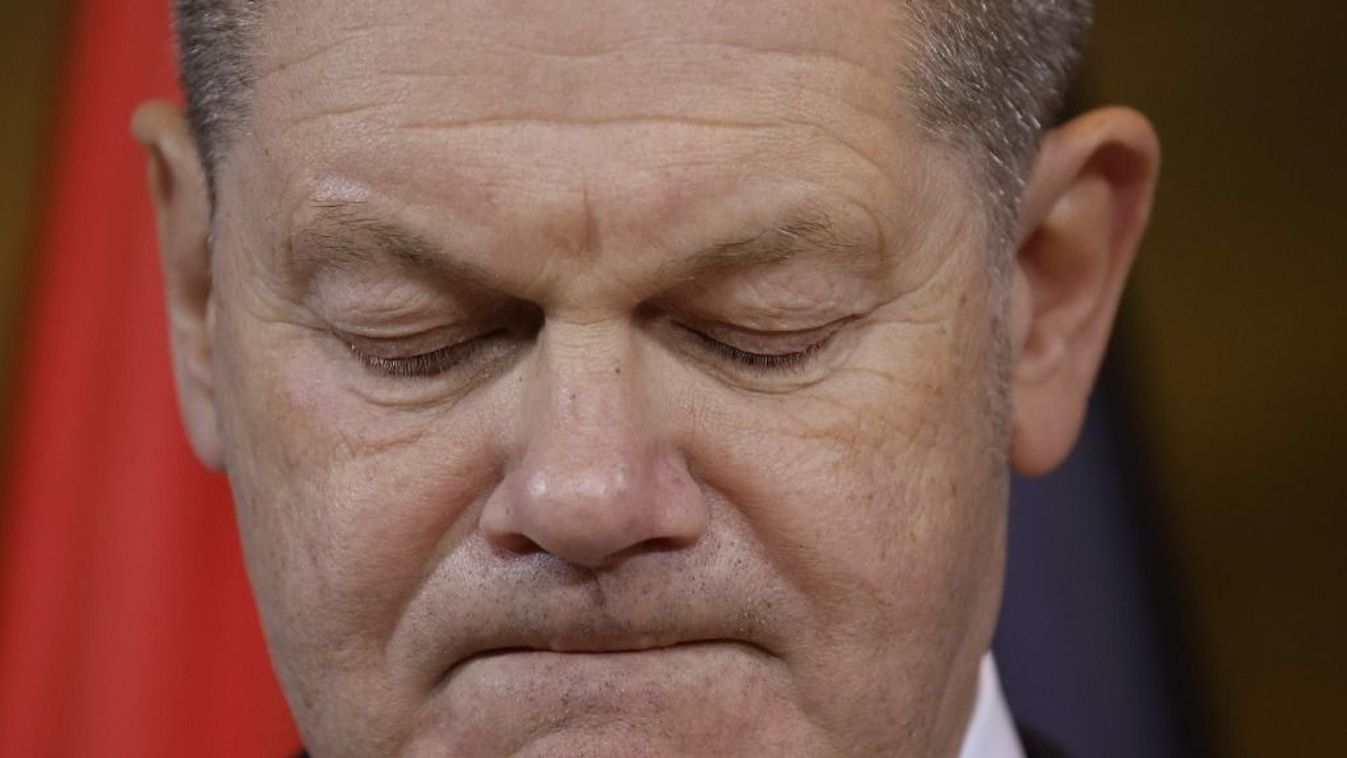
342 236
811 232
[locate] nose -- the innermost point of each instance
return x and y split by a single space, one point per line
596 482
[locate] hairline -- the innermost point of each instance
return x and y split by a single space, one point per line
946 80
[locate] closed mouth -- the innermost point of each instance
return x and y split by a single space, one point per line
595 648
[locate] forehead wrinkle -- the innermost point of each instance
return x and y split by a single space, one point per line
621 26
359 56
281 60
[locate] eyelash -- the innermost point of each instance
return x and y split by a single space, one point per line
765 362
425 365
436 362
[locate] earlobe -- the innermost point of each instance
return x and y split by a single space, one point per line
178 190
1085 208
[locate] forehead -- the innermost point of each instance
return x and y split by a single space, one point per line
522 39
630 110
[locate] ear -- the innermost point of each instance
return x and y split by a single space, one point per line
1085 208
178 190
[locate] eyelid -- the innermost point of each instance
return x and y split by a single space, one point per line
808 344
393 346
420 362
768 341
432 352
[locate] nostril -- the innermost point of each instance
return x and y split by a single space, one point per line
517 543
653 545
658 545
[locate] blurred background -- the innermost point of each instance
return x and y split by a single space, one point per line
1177 589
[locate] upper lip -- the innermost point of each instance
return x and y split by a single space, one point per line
590 646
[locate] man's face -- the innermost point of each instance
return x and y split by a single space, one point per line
608 378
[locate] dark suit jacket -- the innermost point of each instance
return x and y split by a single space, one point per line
1036 745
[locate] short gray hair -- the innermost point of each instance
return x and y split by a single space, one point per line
989 77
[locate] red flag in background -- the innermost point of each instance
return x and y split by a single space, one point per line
126 624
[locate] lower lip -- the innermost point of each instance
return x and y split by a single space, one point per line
607 680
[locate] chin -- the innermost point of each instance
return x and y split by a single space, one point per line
718 699
613 739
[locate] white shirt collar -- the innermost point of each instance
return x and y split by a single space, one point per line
991 731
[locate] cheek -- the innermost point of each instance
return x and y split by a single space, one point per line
885 469
878 496
344 506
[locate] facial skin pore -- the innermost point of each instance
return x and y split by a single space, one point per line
622 378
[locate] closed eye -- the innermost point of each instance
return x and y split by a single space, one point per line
420 365
793 357
434 352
